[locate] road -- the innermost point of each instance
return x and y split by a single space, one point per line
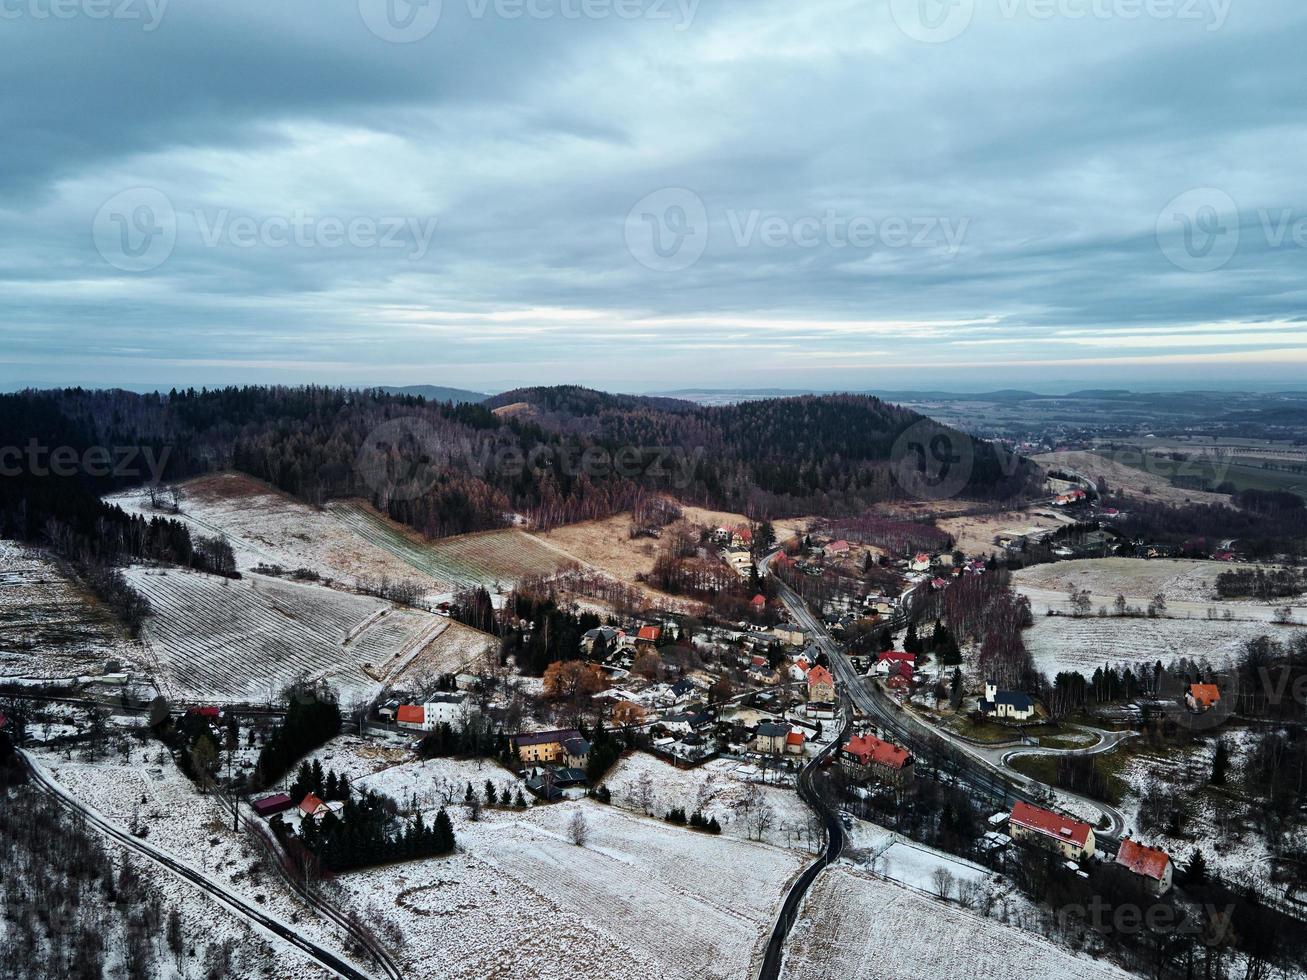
771 963
991 780
325 957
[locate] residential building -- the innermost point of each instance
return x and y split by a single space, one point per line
865 757
1150 863
545 746
770 738
1201 697
1073 838
795 741
821 685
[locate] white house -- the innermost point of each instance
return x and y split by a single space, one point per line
1007 705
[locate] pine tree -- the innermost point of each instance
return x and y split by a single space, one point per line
520 801
1220 762
444 833
492 795
1195 872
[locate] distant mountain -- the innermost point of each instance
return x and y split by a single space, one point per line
435 393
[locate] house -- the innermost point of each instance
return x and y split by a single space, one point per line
770 738
545 746
1074 838
865 757
208 712
576 752
591 638
836 548
313 807
939 583
790 634
1007 705
412 717
889 660
758 603
899 683
1201 697
649 636
821 685
1151 863
920 563
270 806
742 537
794 742
799 669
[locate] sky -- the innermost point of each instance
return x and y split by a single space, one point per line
645 195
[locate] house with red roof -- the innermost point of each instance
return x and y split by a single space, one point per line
836 548
1150 863
1032 824
1202 697
312 806
821 685
270 806
865 757
921 563
795 741
759 603
649 636
412 716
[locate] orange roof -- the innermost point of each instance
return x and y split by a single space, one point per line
651 633
868 748
310 805
413 714
1205 694
819 675
1150 862
1051 824
759 600
795 738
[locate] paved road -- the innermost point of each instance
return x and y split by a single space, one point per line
991 780
771 964
333 962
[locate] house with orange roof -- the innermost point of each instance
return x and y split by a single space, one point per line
1035 825
795 741
1151 863
865 757
1202 697
821 685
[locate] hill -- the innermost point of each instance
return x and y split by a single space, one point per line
435 393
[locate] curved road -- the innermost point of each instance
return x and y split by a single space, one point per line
989 779
336 964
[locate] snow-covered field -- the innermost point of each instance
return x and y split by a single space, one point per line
721 788
1180 580
265 526
641 899
212 638
894 856
1063 643
856 927
50 627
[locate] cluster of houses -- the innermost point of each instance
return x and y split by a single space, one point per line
310 808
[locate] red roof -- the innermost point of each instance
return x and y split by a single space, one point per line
205 712
868 748
837 546
411 714
744 533
898 656
1205 695
819 675
651 633
310 805
795 738
1051 824
922 556
1150 862
759 600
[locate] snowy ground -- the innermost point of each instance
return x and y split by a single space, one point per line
1060 643
50 627
218 639
722 789
145 789
856 927
1137 579
900 859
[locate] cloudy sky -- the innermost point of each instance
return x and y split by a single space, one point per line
653 194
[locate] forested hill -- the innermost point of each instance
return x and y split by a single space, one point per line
448 468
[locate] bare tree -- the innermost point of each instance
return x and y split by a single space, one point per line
642 794
578 831
943 880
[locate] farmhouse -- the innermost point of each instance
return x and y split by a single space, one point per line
1074 838
551 746
1201 697
1007 705
1151 863
866 757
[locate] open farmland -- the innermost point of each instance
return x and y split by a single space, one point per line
217 639
1125 479
975 534
488 558
50 626
641 899
1064 643
267 527
857 927
1136 578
